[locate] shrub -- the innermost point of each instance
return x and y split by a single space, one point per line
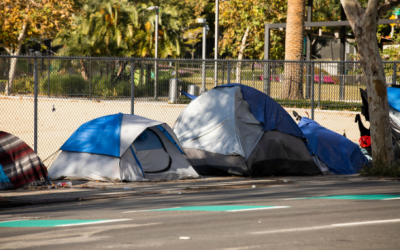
64 84
102 87
3 85
324 105
23 84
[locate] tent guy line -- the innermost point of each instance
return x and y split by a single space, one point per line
289 230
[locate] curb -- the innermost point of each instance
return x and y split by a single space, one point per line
63 200
199 188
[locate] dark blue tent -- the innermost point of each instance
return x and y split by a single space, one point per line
341 155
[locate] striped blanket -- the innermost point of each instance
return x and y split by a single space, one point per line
20 163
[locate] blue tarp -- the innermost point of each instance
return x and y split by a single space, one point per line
341 155
3 176
86 138
191 97
4 180
394 97
267 111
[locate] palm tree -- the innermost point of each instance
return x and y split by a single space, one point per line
292 87
106 27
169 33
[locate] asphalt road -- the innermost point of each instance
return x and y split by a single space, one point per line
293 224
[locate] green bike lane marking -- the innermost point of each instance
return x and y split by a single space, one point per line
226 208
381 197
54 223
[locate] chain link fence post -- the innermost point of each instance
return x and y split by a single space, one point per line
342 82
177 81
319 84
35 104
229 73
394 81
48 79
155 79
267 78
8 61
312 90
90 79
203 77
223 73
133 87
308 81
216 73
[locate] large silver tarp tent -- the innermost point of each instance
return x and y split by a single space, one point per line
221 136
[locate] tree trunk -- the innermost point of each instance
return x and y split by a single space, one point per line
240 56
84 72
13 65
292 87
118 76
364 24
11 74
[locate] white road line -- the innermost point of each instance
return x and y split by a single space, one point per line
293 230
397 198
364 223
89 223
260 208
326 226
135 211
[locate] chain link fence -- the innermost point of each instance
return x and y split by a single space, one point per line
44 99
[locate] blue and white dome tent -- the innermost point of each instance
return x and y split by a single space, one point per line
237 130
122 147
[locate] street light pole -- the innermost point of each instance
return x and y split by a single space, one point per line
203 73
216 43
155 8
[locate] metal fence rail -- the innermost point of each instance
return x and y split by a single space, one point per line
61 93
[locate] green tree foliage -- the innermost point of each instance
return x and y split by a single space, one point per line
392 53
236 16
122 28
106 27
21 20
169 31
193 37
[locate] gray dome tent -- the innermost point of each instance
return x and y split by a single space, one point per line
237 130
122 147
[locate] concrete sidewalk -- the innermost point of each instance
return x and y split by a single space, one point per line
87 190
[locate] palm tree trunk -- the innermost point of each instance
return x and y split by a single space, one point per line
292 87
